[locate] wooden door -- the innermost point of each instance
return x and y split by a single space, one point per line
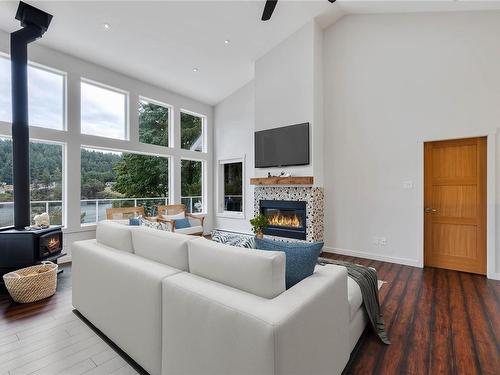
455 205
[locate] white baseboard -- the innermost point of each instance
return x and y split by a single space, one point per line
382 258
493 276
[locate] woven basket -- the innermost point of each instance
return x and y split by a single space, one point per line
33 283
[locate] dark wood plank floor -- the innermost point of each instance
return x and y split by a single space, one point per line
439 321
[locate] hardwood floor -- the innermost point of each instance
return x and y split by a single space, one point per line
47 338
439 322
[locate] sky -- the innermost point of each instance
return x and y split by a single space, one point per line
103 110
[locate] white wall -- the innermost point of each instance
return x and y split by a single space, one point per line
77 68
287 86
391 82
234 138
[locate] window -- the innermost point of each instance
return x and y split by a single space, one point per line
46 166
192 132
103 111
192 185
115 179
153 123
47 96
231 186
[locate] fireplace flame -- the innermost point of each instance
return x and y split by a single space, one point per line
285 220
53 244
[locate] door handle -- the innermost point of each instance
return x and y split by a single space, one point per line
429 210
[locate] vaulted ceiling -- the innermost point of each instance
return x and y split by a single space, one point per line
163 42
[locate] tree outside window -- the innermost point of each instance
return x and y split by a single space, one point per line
191 185
191 132
153 123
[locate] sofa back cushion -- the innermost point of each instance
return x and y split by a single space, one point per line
115 235
254 271
162 246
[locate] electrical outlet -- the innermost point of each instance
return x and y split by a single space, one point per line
408 184
382 241
376 241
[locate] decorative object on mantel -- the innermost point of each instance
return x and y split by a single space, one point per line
259 224
291 180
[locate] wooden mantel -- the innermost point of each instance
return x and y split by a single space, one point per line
295 180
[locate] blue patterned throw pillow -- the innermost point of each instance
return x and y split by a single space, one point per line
182 223
301 257
134 221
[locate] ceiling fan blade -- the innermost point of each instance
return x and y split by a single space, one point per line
269 9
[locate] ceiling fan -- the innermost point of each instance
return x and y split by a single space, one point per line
269 9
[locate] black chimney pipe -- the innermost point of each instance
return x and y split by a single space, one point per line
35 23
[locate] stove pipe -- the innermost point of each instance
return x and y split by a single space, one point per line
34 24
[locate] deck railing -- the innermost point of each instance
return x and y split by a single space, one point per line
94 210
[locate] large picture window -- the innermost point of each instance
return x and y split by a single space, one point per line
46 169
231 186
111 179
154 120
192 132
103 111
46 96
192 185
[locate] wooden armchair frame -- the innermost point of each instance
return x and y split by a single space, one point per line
174 209
135 211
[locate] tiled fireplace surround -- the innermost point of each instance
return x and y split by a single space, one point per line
314 198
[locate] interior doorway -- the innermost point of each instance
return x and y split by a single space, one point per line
455 204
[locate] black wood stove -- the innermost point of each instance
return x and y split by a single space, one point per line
20 247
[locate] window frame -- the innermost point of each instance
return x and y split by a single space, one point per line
220 212
126 108
204 147
169 199
204 181
170 125
64 174
64 75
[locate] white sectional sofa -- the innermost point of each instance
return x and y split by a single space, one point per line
183 305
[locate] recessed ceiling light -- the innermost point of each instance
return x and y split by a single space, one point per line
227 41
107 26
195 70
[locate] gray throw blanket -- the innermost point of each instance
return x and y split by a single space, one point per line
366 278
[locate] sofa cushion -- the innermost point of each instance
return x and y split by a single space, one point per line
115 235
301 257
258 272
162 246
190 230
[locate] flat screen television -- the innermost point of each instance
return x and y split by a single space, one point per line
281 147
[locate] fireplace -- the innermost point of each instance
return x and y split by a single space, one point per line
286 218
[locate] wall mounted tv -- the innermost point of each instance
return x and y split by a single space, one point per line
281 147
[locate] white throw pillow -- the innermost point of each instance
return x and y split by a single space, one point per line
174 217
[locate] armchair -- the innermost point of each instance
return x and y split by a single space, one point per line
169 213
